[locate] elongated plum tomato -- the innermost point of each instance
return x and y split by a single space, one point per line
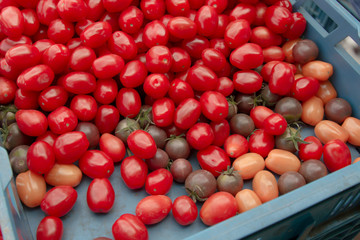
153 209
142 144
40 157
112 146
36 78
58 201
187 113
100 195
31 122
159 182
69 147
129 226
213 159
214 106
247 56
336 155
133 172
50 228
184 210
96 164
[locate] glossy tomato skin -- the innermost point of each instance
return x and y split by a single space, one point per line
213 58
182 27
275 124
142 144
202 78
7 90
217 208
79 82
206 20
123 45
133 172
106 91
82 58
180 90
247 56
31 122
62 120
265 37
23 56
84 107
107 66
155 33
106 119
200 136
40 157
261 142
153 209
36 78
158 59
237 33
213 159
129 226
48 137
278 19
96 164
131 20
100 195
281 78
247 81
214 106
187 113
69 147
156 85
96 34
133 74
31 22
50 228
95 9
46 11
128 102
153 9
243 11
163 112
194 46
304 88
312 150
11 22
26 99
59 200
52 97
56 57
60 31
258 114
297 28
184 210
336 155
112 146
236 145
159 182
221 132
72 10
116 6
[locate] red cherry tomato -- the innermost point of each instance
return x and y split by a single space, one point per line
206 20
128 226
213 159
195 46
123 45
213 59
62 120
247 81
106 119
237 33
116 6
153 9
184 210
96 164
48 137
52 97
226 86
31 122
312 150
155 33
275 124
247 56
23 56
158 59
7 90
106 91
95 9
36 78
158 182
163 112
69 147
258 114
133 74
214 106
278 19
200 136
100 195
156 85
265 37
336 155
96 34
304 88
243 11
128 102
273 53
58 201
221 132
112 146
107 66
178 7
8 71
60 31
236 145
202 78
297 28
11 22
84 107
50 228
82 58
180 90
153 209
56 57
72 10
26 99
281 78
47 11
79 82
131 20
142 144
261 142
187 113
134 172
31 22
40 157
181 60
182 28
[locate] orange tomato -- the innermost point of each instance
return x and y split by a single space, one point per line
280 161
31 188
249 164
64 174
320 70
312 111
327 130
326 91
247 199
287 49
356 160
265 186
352 126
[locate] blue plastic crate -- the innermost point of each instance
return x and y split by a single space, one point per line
319 210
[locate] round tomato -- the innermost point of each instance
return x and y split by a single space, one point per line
281 78
213 159
106 91
182 27
258 114
107 118
82 58
278 19
184 210
202 78
247 81
159 182
237 33
131 20
100 195
96 164
158 59
336 155
52 97
247 56
275 124
200 136
36 78
58 201
79 82
156 85
62 120
261 142
304 88
236 145
96 34
142 144
313 149
128 102
12 22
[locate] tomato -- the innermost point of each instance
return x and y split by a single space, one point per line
247 199
265 186
11 22
31 22
128 227
247 56
206 20
52 97
213 59
156 85
36 78
26 99
31 188
112 19
96 34
107 66
84 107
352 126
200 136
317 69
213 159
312 111
31 122
221 45
278 19
95 9
258 114
273 53
106 91
217 208
60 31
134 172
305 88
265 37
58 201
131 20
112 146
237 33
62 120
153 9
142 144
236 145
40 157
50 228
275 124
8 71
72 10
64 174
96 164
202 78
133 74
187 113
159 182
247 82
180 90
100 195
221 131
155 33
184 210
163 112
281 161
7 90
243 11
69 147
326 91
312 150
81 25
47 11
261 142
23 56
178 7
336 155
194 46
214 106
158 59
56 57
48 137
82 58
79 82
182 27
327 130
43 44
128 102
123 45
115 6
297 28
153 209
281 79
106 119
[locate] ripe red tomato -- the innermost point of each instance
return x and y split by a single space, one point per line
226 86
31 122
81 58
273 53
217 208
84 107
214 106
200 136
131 20
202 78
297 28
155 34
187 113
213 159
281 78
123 45
265 37
156 85
107 66
128 102
62 120
133 172
40 157
258 114
50 228
31 22
7 90
96 164
79 82
95 9
60 31
243 11
69 147
22 56
278 19
304 88
56 57
261 142
35 78
275 124
141 144
213 59
106 119
96 34
158 182
180 90
153 9
336 155
247 81
11 22
72 10
106 91
195 46
100 195
221 132
206 20
52 97
116 6
236 145
133 74
163 112
128 226
237 33
47 11
312 150
182 27
58 201
112 146
247 56
184 210
153 209
158 59
26 99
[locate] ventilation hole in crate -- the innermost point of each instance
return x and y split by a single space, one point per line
320 16
352 48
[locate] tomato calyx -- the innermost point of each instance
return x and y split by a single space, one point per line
144 118
175 137
131 126
229 171
295 137
194 196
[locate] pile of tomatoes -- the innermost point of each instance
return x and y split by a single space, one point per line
84 81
